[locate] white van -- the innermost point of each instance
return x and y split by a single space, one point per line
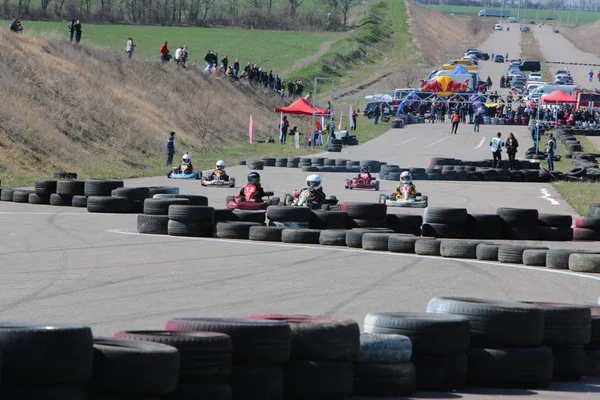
549 88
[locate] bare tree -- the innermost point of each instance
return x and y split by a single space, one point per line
206 7
44 4
408 73
294 4
475 25
345 6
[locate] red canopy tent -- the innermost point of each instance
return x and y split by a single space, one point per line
301 107
558 96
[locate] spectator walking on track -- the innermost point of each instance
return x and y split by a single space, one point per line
591 75
550 151
511 149
170 148
477 121
496 145
455 121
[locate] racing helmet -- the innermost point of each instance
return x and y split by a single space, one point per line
254 178
365 168
313 182
405 177
187 157
220 164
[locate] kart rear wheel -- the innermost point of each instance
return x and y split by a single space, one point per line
229 198
288 199
232 182
382 198
377 186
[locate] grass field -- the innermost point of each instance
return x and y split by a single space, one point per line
527 15
273 50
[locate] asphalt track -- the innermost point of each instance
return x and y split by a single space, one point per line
66 265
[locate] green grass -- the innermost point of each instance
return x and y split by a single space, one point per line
273 50
527 15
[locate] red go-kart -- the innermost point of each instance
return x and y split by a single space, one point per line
363 181
237 203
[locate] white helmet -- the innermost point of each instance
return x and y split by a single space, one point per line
313 182
220 164
187 157
405 177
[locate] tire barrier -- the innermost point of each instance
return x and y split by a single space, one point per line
585 165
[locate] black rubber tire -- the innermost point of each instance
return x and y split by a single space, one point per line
428 247
37 199
521 232
38 355
377 348
190 228
6 194
318 379
402 244
354 236
161 206
79 201
377 241
224 214
569 363
442 215
495 323
526 368
370 211
518 216
588 223
257 383
555 234
45 188
163 190
101 187
64 175
582 262
256 165
134 367
535 258
404 223
255 342
179 212
485 226
289 214
249 216
586 234
70 187
266 233
107 204
592 361
558 258
429 333
76 392
456 231
132 194
441 372
321 219
205 357
487 252
191 391
565 324
308 236
61 200
459 248
22 196
370 223
514 254
384 380
555 220
153 224
333 237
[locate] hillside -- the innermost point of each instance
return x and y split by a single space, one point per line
90 110
585 37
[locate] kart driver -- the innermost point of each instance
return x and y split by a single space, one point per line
405 179
254 180
219 171
313 185
187 162
364 176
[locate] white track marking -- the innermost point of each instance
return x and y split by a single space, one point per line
434 143
546 195
406 141
480 143
346 250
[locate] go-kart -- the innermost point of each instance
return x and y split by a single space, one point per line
302 199
180 173
236 202
405 199
355 183
217 181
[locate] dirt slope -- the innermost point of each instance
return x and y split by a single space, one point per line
86 109
585 37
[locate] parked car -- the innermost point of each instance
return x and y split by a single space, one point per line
386 108
530 65
524 29
498 58
562 72
563 80
498 27
555 31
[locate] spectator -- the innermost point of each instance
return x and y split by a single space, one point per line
178 52
284 129
291 85
129 47
432 113
164 53
16 27
229 72
208 60
72 29
455 121
477 121
591 75
550 151
463 113
496 146
354 116
511 149
170 148
225 62
184 55
78 31
377 114
236 68
489 83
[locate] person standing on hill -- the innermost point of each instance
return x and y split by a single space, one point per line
225 62
164 53
72 29
78 31
496 146
170 148
129 47
236 68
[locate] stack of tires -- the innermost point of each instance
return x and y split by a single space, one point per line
405 223
374 166
439 345
155 219
281 162
321 219
69 192
506 342
237 223
334 145
132 369
323 349
43 191
592 349
298 217
366 215
205 361
260 348
555 227
485 226
567 328
188 220
442 222
588 228
514 254
22 196
100 199
256 165
293 162
45 361
519 223
6 194
269 161
135 197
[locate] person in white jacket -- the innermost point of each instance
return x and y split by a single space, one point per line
496 146
129 47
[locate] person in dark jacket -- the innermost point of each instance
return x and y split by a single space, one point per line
170 148
511 146
236 68
225 62
72 29
78 31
